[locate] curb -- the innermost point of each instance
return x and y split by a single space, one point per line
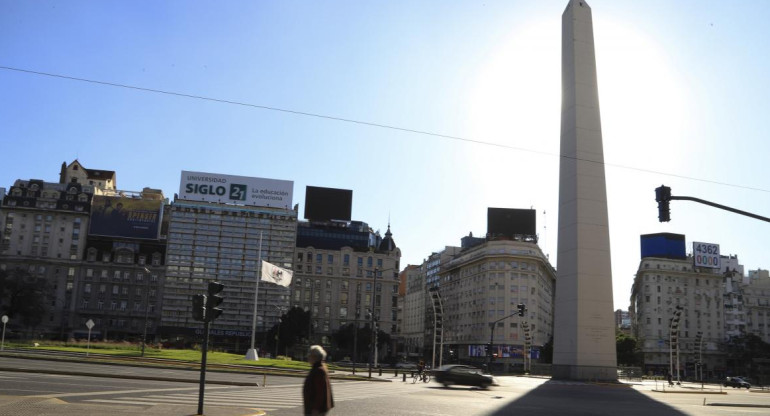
130 377
689 392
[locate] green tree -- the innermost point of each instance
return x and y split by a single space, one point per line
292 329
546 353
627 350
22 297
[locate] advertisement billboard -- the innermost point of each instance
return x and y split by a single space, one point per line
241 190
706 255
323 204
510 222
116 216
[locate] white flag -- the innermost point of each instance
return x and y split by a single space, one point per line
274 274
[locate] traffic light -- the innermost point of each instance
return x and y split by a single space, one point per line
522 309
663 196
199 307
213 300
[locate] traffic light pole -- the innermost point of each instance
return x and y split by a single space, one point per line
663 195
204 351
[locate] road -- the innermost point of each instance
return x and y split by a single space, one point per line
281 396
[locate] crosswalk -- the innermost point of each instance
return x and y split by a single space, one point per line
264 398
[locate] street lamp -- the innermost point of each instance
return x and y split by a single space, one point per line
277 337
146 309
492 338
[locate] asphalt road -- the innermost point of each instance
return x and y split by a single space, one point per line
282 395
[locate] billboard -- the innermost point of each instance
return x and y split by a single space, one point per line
241 190
322 204
116 216
706 255
510 222
665 245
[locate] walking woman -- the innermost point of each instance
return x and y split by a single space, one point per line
317 391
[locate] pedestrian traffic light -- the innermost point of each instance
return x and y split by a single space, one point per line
663 196
213 300
522 308
199 307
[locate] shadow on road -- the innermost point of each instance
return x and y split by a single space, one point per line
564 398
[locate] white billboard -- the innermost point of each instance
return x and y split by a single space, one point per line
241 190
706 255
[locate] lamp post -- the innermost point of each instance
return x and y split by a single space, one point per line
146 309
492 339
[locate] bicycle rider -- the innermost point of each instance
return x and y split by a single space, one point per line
420 369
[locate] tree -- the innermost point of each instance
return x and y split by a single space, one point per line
627 350
546 353
22 297
291 330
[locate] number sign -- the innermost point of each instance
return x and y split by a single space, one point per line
706 255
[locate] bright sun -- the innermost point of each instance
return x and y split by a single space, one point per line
515 100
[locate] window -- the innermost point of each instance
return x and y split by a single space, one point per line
87 288
330 259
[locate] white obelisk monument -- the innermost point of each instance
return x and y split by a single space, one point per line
584 331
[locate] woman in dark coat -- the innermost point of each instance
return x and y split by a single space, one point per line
317 391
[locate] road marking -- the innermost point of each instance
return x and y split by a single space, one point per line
110 392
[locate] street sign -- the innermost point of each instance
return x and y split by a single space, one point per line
5 321
89 324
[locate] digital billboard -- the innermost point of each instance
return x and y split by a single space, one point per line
666 245
509 222
323 204
241 190
706 255
116 216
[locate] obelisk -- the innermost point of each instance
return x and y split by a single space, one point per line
584 331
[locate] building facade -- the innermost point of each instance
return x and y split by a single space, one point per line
481 288
660 286
221 242
412 313
44 228
343 271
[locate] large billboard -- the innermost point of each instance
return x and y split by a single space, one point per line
666 245
510 222
241 190
323 204
116 216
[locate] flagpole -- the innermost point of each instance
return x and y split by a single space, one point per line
252 353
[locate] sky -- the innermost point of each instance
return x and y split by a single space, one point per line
430 111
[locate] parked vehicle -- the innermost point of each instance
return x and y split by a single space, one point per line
736 382
463 375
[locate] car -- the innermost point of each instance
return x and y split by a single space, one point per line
463 375
736 382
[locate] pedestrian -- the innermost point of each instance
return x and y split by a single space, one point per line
317 391
670 380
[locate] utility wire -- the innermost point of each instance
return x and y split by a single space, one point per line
372 124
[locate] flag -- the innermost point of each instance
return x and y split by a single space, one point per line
274 274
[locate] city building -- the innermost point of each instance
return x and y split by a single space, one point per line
43 233
481 288
220 227
120 282
343 271
668 285
411 328
756 298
